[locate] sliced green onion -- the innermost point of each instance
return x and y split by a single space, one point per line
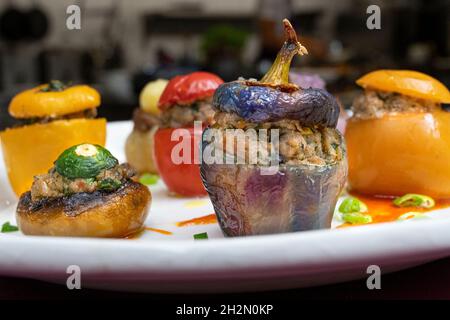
414 200
200 236
352 204
7 227
412 215
149 179
356 218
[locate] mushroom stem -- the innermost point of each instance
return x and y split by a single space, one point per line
278 74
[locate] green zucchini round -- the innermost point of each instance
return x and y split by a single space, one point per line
73 165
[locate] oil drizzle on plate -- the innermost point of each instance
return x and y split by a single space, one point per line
208 219
383 210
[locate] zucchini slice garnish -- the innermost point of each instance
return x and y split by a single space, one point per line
84 161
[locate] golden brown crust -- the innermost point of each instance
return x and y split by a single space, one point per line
99 214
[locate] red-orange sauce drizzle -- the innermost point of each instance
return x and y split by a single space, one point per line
167 233
382 209
139 233
208 219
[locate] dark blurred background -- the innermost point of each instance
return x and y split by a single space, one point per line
123 44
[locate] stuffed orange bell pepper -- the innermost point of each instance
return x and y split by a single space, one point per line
398 138
51 118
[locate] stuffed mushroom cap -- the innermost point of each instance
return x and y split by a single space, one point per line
86 194
98 214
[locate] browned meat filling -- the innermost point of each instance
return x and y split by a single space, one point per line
144 121
297 144
178 116
54 185
375 104
88 114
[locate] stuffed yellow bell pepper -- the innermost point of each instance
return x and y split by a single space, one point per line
51 118
399 135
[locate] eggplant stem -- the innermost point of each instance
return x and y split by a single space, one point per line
278 74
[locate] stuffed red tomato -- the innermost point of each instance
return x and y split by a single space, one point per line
185 99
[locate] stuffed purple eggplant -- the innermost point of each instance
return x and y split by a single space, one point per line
250 194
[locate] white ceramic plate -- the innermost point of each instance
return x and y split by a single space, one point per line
156 262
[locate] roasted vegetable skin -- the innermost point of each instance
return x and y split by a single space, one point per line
98 214
256 103
296 197
274 98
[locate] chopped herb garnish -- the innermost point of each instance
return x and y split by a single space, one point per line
149 179
356 218
200 236
109 184
7 227
351 204
414 200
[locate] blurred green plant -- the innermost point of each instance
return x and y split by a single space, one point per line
223 37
